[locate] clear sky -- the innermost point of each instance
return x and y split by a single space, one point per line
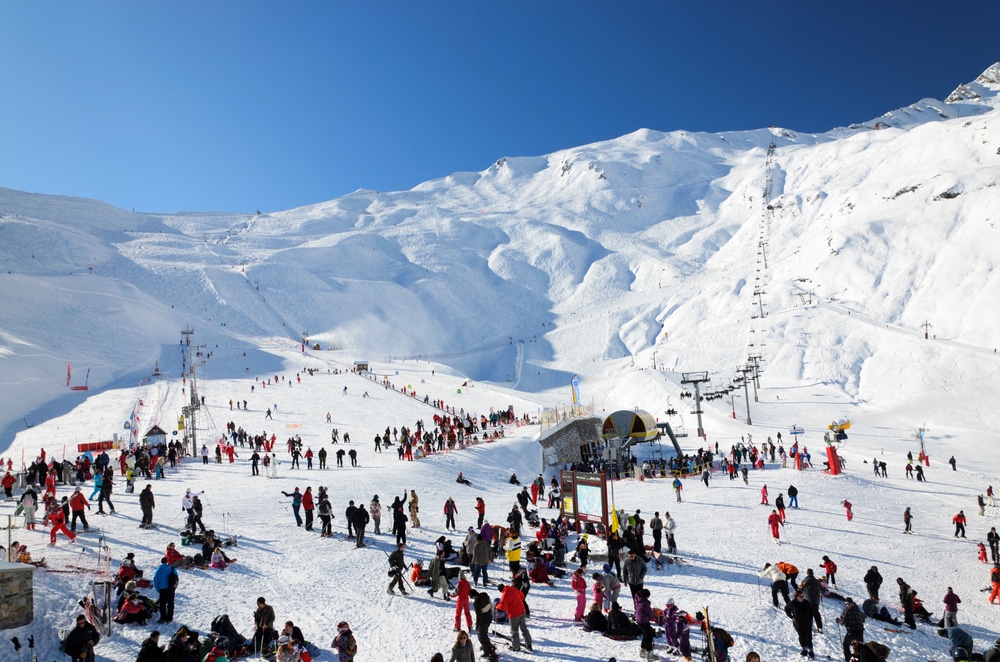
238 105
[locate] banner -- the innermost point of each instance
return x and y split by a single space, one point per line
575 385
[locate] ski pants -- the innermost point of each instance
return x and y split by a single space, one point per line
518 628
462 605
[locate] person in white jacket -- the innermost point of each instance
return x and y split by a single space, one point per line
779 583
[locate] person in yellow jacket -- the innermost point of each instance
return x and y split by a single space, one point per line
513 548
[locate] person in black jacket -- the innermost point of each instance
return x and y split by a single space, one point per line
399 519
147 503
873 580
80 641
482 605
800 611
620 625
151 650
596 620
360 522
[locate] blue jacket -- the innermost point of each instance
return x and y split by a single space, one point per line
161 578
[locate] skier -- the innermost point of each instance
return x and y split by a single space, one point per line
296 497
995 582
763 496
951 461
959 521
449 516
483 607
793 498
512 604
77 503
397 565
678 486
773 521
907 518
779 505
847 509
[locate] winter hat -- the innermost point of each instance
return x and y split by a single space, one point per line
670 601
283 639
77 489
129 585
607 567
343 626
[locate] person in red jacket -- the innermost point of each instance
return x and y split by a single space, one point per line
481 509
462 602
773 521
8 485
308 505
57 519
959 522
512 604
831 571
847 507
50 483
77 503
763 496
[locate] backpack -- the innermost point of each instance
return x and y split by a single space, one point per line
724 636
881 651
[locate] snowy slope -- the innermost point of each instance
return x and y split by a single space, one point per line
602 261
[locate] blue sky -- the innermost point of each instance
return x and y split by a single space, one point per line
245 105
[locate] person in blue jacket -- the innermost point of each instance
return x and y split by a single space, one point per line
165 581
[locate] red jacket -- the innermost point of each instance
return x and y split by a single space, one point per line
958 519
8 480
173 555
830 567
307 500
78 501
578 583
511 602
481 507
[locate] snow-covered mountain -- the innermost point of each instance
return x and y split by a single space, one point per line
828 255
595 257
